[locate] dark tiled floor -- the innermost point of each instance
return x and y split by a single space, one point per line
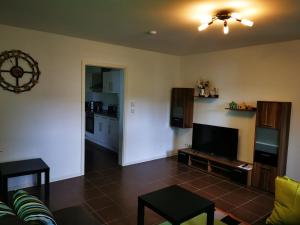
111 191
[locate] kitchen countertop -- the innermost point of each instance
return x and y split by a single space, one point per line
106 114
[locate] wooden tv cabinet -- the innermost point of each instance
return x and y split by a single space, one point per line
216 165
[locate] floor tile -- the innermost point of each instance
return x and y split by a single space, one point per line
99 203
245 215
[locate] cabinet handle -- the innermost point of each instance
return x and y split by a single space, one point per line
266 168
100 127
265 155
267 125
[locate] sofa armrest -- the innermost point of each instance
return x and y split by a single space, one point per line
77 215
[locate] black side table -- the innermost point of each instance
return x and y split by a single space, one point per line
175 204
21 168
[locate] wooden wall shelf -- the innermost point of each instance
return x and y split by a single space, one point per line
242 110
210 96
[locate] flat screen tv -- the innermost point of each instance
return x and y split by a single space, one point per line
214 140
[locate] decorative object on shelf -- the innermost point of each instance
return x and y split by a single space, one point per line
240 107
224 16
233 105
205 90
19 72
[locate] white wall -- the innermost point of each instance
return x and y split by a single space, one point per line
267 72
46 122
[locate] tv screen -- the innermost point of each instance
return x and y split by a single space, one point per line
214 140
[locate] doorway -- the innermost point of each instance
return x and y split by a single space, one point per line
103 116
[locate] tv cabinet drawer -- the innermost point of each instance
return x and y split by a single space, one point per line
183 157
239 176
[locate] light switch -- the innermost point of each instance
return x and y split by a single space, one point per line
132 107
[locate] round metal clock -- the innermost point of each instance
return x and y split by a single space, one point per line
19 72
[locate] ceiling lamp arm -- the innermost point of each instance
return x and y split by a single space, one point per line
238 18
213 20
203 26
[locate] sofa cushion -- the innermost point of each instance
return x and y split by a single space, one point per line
7 216
287 202
31 210
5 210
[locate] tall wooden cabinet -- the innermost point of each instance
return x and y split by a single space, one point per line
182 105
271 143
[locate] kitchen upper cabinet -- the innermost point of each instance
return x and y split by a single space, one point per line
111 82
268 114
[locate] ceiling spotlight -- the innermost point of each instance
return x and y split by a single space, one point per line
152 32
224 16
226 28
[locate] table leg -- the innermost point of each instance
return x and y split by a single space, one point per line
141 213
210 216
47 178
1 188
39 179
5 189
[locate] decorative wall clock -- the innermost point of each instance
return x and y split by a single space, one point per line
19 72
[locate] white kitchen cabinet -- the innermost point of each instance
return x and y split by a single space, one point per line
106 132
111 82
113 134
101 127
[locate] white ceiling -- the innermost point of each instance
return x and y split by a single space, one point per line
125 22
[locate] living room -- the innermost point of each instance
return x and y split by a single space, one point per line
48 121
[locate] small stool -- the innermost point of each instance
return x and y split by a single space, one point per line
22 168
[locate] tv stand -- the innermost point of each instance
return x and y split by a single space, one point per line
216 165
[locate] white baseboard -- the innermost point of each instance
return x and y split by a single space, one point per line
30 181
168 154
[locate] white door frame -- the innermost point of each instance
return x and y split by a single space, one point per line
122 128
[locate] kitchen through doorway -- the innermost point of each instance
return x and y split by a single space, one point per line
104 110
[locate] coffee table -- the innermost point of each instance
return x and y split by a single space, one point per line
175 204
20 168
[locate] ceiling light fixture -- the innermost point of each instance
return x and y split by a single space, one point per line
224 16
152 32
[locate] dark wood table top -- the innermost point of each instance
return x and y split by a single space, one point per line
22 167
176 203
